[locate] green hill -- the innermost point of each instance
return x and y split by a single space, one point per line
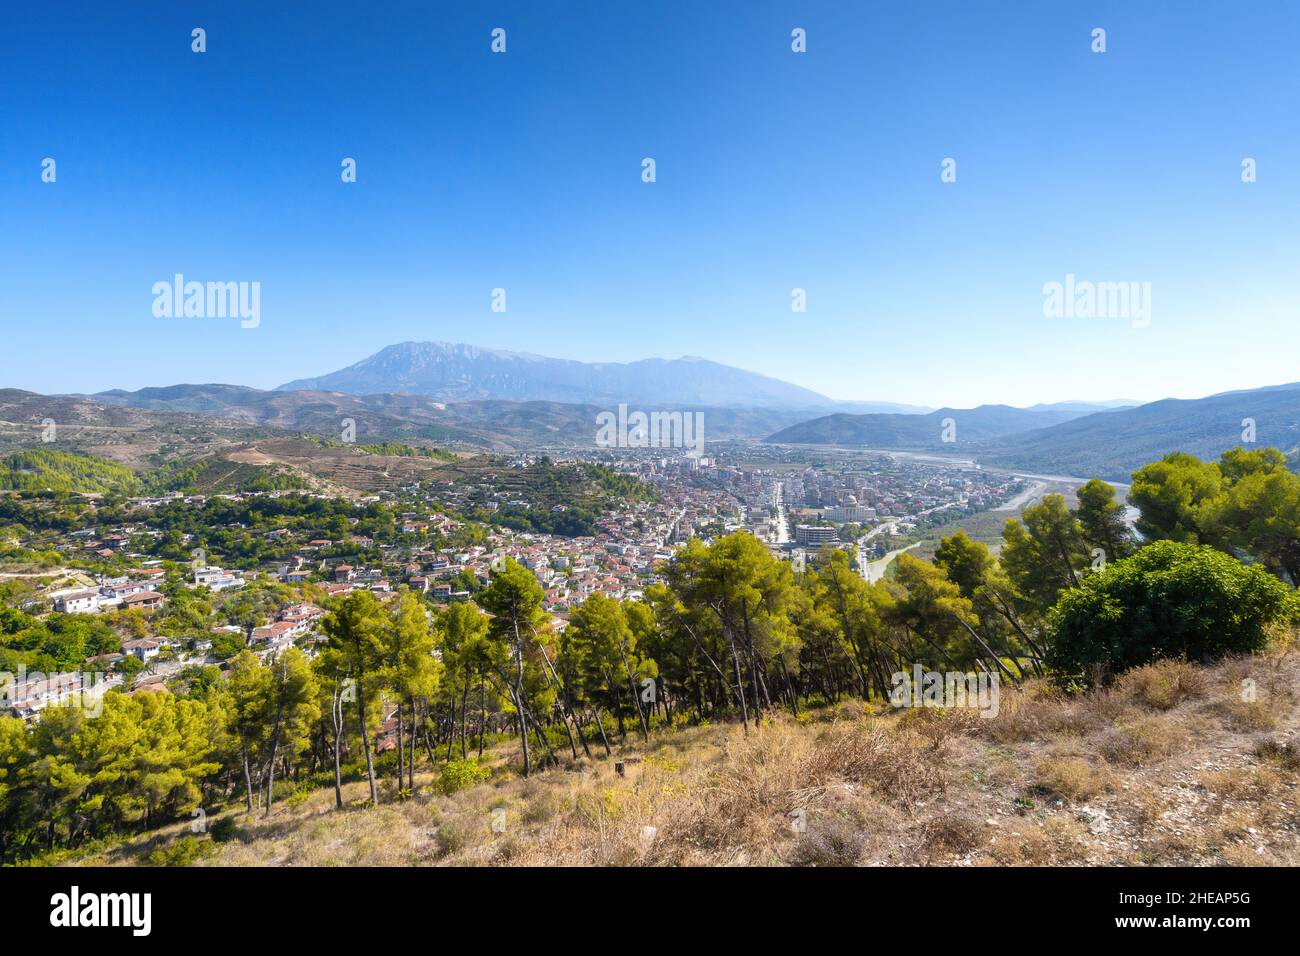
48 470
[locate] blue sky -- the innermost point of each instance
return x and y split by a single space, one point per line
774 171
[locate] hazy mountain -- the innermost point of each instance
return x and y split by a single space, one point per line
1085 407
920 431
1064 439
459 373
486 424
1112 444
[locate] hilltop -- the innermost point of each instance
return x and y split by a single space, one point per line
1172 766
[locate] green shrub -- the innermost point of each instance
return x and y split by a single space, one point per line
223 830
1169 600
459 774
184 852
300 795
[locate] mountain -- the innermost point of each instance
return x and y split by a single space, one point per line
1067 440
460 373
1113 444
920 431
485 424
1085 407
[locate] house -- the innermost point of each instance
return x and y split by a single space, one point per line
120 589
153 683
217 579
270 633
144 600
386 733
300 617
142 648
76 601
27 695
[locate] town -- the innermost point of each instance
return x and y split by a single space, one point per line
178 582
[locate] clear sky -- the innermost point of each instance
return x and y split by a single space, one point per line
775 170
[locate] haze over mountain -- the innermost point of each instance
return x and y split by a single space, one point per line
922 431
486 423
1112 444
1106 444
457 373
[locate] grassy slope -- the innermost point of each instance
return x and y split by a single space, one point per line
1170 767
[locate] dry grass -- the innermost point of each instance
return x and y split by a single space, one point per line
1054 841
1144 742
1071 778
1175 764
1163 685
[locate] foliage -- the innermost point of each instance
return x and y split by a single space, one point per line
458 774
1167 600
43 469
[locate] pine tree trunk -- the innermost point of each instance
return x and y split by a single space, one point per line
401 749
248 778
337 714
365 742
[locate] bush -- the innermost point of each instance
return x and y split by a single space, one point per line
459 774
831 841
1142 742
223 830
1167 600
1070 778
184 852
1164 684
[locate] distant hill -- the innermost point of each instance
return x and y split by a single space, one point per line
44 469
921 431
1067 440
1085 407
460 373
486 424
1113 444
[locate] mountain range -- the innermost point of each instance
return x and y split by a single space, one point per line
470 398
925 431
1107 444
450 372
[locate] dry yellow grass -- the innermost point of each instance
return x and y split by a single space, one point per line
1173 765
1071 778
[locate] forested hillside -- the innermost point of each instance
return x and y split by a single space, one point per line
48 470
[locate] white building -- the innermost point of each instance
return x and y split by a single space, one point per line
217 579
76 601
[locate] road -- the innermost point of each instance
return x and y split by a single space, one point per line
782 525
1033 491
873 571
